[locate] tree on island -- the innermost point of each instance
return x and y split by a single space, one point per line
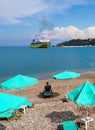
78 42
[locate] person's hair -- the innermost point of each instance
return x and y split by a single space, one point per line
47 82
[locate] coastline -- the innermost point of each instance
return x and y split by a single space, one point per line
47 114
48 76
76 46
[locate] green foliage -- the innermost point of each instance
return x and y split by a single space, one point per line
78 42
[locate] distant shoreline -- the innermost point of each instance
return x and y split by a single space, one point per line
75 46
45 77
78 42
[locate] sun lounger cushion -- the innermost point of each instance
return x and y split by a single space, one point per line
69 125
48 94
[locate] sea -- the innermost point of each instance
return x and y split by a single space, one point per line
43 63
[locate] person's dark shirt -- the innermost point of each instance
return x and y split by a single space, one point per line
48 88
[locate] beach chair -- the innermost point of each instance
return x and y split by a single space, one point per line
66 99
22 108
69 125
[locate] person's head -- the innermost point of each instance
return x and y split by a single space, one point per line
47 83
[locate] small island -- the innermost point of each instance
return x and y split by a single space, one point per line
77 42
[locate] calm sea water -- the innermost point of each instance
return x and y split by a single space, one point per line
43 63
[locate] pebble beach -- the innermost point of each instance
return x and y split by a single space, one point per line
48 113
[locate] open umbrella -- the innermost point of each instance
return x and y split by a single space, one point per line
9 104
19 82
65 76
84 95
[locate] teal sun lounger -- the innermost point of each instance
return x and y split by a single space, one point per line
69 125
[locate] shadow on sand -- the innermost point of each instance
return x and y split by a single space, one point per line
2 127
59 127
55 94
59 117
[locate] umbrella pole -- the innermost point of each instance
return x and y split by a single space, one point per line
86 113
87 109
66 91
20 92
67 87
66 98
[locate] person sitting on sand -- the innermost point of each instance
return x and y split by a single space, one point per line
47 88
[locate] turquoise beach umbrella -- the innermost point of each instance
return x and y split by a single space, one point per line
9 104
19 82
65 76
84 95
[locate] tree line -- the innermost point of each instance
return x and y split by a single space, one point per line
78 42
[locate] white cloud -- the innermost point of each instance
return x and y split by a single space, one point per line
13 11
61 5
70 32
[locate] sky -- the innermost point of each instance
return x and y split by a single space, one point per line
55 20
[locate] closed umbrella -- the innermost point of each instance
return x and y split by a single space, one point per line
19 82
84 95
65 76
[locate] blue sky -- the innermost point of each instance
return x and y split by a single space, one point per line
56 20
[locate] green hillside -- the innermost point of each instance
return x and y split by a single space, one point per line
78 42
